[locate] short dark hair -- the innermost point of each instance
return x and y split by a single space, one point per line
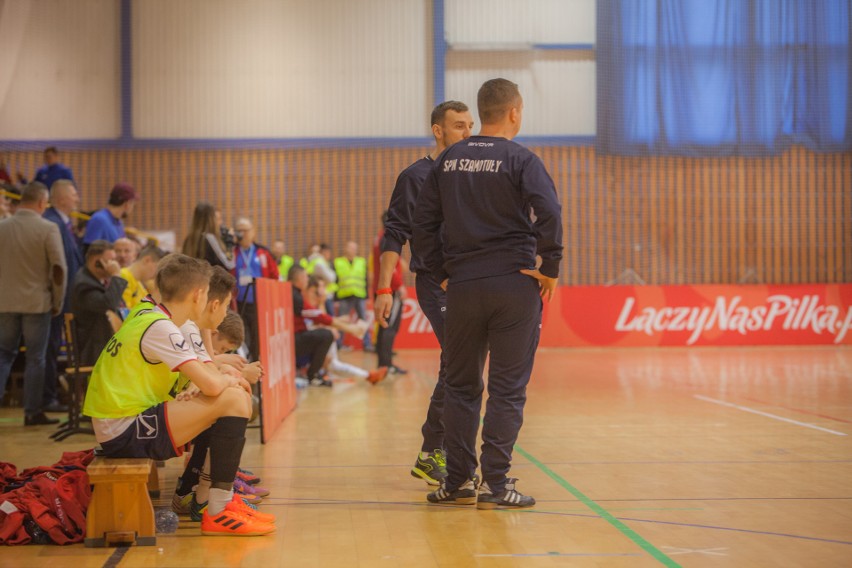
294 270
97 248
154 252
51 150
178 275
495 98
34 192
314 281
232 329
440 111
222 283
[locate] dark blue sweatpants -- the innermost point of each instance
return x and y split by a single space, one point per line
500 315
433 302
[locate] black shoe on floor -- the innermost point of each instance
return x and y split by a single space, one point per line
56 406
464 495
396 370
39 420
320 382
508 498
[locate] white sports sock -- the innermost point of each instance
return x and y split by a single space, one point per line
218 499
338 366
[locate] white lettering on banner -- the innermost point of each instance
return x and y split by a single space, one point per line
419 322
727 314
279 343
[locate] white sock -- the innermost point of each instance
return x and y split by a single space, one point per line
338 366
218 499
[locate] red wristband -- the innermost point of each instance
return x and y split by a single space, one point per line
384 291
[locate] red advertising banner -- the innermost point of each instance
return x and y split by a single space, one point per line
634 316
277 353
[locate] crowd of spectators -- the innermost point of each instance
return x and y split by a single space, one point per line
53 264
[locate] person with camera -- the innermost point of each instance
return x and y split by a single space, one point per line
208 239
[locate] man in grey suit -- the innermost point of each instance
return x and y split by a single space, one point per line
32 280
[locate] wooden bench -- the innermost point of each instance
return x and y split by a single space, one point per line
121 512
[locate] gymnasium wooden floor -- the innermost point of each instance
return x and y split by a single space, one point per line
637 457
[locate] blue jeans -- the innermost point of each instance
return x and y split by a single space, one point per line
36 330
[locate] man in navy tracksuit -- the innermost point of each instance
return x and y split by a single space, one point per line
451 122
473 224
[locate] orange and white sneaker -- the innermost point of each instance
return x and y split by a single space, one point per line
377 375
231 523
238 505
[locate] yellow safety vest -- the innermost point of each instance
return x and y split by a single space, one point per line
351 277
284 266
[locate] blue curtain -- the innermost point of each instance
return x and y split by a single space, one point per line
723 77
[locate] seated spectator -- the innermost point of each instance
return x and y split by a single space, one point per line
311 344
53 169
126 251
95 292
108 223
319 262
315 295
143 269
205 240
229 335
137 382
252 261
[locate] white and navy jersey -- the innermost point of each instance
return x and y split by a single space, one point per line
192 333
474 215
398 225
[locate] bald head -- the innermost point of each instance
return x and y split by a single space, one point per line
126 251
245 231
64 196
350 250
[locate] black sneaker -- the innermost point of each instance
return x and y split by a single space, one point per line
320 382
510 497
39 420
464 495
432 469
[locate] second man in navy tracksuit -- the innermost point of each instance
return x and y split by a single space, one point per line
486 210
451 122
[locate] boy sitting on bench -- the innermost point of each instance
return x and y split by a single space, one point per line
132 390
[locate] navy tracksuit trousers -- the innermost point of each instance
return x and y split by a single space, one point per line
500 315
433 302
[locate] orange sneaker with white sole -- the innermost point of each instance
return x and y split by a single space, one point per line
231 523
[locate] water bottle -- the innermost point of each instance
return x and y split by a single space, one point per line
166 520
